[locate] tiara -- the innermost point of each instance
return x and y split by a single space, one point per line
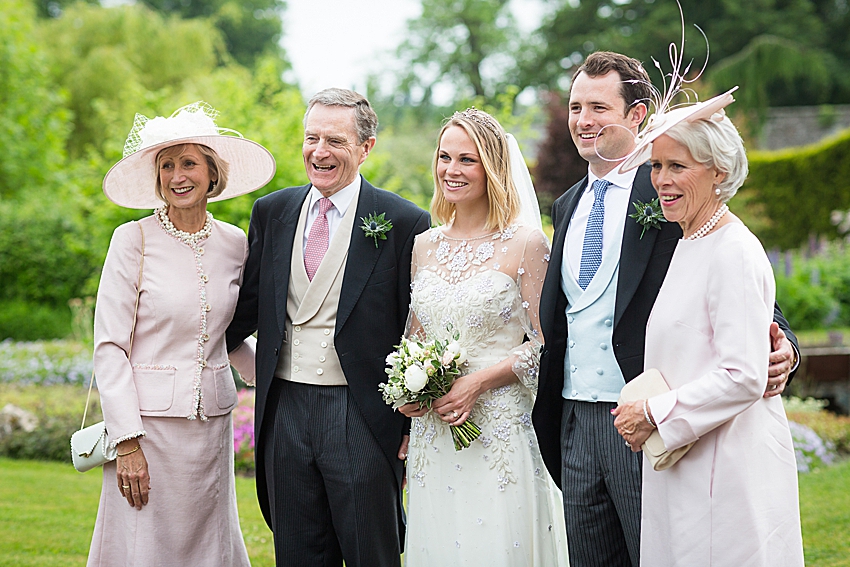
480 117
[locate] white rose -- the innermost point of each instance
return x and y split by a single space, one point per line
392 358
462 356
453 348
415 378
414 349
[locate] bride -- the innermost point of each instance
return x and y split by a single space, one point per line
480 275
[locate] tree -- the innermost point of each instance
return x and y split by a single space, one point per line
53 8
466 44
808 63
33 123
559 165
251 28
114 62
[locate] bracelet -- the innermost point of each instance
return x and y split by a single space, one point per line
646 415
130 452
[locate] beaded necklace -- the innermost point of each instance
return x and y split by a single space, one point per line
190 238
706 228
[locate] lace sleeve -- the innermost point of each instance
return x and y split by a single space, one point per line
413 327
531 273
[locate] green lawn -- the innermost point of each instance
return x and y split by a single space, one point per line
47 513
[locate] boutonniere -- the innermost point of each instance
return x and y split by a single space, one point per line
376 226
648 215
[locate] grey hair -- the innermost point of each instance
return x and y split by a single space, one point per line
716 143
365 118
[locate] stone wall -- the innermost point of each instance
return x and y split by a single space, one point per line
802 125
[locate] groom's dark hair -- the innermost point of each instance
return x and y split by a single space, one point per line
635 87
365 119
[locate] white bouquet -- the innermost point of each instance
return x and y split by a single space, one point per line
421 372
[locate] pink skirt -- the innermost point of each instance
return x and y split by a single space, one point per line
191 516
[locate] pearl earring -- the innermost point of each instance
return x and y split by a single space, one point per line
717 191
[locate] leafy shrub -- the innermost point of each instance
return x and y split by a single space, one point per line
814 291
46 262
797 189
833 429
27 321
58 408
50 441
805 304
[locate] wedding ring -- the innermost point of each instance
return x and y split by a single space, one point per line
126 487
454 414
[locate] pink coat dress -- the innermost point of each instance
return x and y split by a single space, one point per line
177 390
732 500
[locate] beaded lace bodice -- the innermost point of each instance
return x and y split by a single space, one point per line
487 290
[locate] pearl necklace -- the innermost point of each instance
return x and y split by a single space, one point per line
190 238
706 228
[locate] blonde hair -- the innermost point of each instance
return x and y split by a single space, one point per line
490 139
217 166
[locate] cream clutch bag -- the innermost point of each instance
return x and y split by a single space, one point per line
648 384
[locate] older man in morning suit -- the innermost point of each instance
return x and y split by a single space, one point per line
603 279
328 302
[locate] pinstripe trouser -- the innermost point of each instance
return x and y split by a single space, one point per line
334 493
601 481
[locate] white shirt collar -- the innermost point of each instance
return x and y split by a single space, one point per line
622 180
341 199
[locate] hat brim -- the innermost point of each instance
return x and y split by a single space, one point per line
131 182
691 113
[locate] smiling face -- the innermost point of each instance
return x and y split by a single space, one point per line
332 153
184 177
685 187
601 127
460 172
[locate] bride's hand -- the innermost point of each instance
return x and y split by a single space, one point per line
413 410
454 408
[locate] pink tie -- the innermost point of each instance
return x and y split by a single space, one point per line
317 241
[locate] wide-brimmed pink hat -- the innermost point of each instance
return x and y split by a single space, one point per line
660 122
131 182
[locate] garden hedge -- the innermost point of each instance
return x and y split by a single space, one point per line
793 192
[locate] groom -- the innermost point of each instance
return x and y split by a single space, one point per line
328 301
593 317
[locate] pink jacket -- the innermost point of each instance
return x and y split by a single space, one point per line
179 365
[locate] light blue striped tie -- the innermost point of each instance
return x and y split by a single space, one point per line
591 251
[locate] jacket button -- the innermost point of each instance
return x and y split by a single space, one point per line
603 346
296 369
321 359
319 371
608 322
324 344
296 342
297 328
600 371
327 331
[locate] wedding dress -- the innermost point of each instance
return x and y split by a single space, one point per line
493 503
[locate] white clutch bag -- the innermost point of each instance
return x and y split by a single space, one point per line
648 384
90 447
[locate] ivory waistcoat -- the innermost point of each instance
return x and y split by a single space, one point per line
309 355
